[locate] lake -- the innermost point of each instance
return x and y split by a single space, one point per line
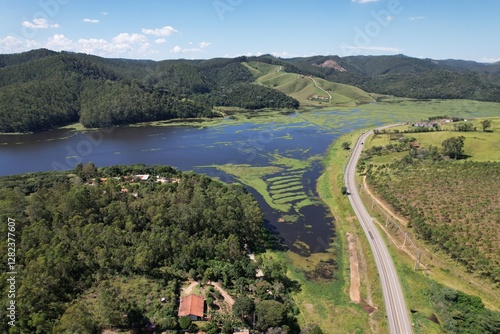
285 142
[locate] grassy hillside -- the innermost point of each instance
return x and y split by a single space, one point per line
309 91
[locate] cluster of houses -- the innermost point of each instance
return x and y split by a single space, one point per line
433 123
133 179
320 98
136 178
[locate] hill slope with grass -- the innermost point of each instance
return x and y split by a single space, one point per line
308 90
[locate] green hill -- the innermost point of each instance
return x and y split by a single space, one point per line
308 90
42 89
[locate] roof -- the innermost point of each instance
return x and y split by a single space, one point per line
191 305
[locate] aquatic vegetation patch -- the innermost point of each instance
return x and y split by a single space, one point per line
286 190
293 182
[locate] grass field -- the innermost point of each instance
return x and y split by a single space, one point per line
310 92
479 145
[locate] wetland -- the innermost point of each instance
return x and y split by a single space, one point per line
277 155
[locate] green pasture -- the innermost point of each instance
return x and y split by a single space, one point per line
303 88
478 145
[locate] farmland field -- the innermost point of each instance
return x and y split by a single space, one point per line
454 205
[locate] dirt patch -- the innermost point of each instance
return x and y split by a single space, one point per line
367 307
354 293
189 289
434 319
332 64
309 308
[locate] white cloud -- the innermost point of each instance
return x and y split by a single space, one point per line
124 44
160 41
165 31
104 13
416 18
176 49
489 60
179 49
12 44
59 42
90 20
39 23
126 38
364 1
204 44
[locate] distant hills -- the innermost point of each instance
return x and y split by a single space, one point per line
43 89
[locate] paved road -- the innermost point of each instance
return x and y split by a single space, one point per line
395 305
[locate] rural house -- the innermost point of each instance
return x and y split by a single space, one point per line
192 306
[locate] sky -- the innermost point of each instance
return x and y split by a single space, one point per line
201 29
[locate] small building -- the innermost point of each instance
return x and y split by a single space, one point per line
192 306
142 177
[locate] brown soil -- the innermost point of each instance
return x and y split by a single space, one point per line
188 290
354 293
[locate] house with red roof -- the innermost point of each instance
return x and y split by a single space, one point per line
192 306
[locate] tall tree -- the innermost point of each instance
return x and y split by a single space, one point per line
486 125
270 313
454 147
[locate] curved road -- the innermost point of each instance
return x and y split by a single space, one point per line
395 305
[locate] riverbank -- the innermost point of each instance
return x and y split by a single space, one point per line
350 235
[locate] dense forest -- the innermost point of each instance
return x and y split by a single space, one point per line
99 248
42 89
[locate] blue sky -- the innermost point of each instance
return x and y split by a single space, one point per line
168 29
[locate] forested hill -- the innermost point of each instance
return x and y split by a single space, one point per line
402 76
99 248
43 89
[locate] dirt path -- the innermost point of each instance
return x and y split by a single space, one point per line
354 293
315 84
227 298
189 289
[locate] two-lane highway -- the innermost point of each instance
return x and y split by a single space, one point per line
395 305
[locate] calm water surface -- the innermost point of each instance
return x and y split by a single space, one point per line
189 148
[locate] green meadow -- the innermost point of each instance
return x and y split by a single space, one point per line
310 92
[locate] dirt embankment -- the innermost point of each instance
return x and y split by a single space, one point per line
354 293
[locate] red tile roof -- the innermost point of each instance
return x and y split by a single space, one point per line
191 305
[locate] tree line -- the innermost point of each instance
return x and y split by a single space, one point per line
40 90
96 248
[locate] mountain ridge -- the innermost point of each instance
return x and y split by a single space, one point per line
42 89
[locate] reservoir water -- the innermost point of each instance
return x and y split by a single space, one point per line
252 142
